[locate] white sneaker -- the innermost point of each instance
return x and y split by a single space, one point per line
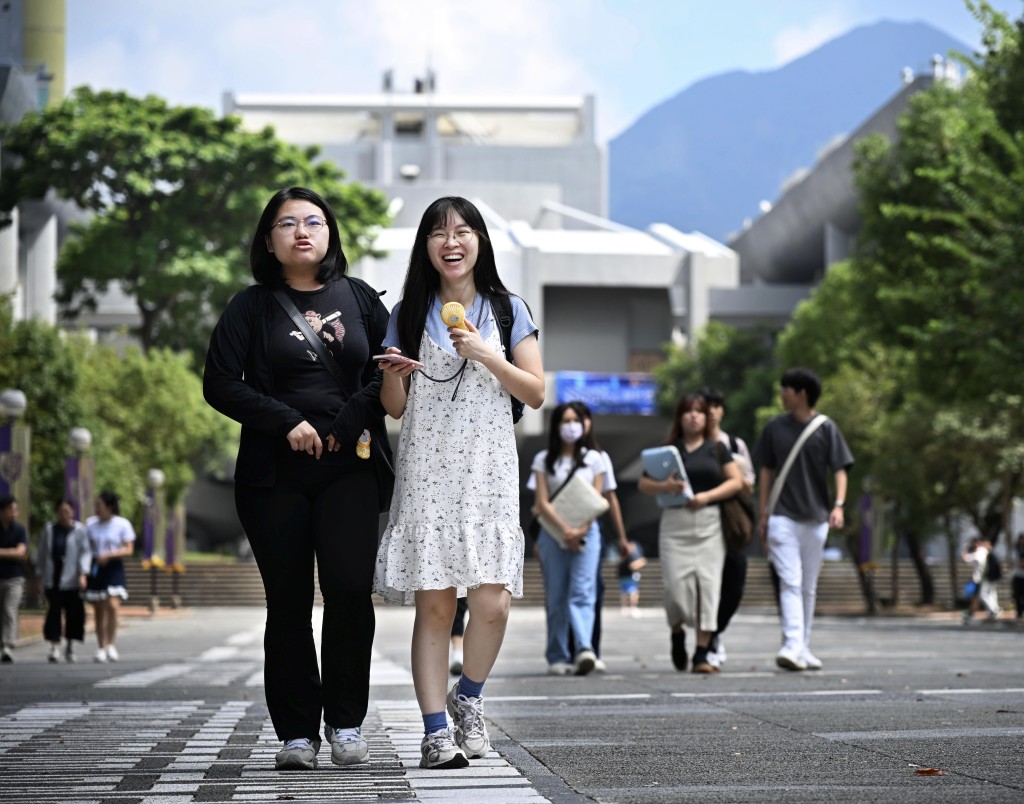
455 662
585 661
560 669
54 656
112 653
439 750
468 716
101 656
812 661
789 659
298 754
347 746
600 666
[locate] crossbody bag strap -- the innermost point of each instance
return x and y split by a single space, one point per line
565 482
813 425
317 345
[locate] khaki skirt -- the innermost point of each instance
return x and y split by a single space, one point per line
692 553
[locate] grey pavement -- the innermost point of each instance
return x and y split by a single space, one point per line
182 718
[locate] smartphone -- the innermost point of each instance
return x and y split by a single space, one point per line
397 358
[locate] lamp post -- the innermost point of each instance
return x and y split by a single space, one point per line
15 443
154 530
79 472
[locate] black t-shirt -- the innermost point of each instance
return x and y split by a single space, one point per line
11 537
703 467
805 495
300 380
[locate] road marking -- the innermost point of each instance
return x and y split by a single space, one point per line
921 734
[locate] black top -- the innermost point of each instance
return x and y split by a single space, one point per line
805 495
260 371
11 537
703 467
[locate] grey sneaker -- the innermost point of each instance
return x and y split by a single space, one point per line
298 754
438 750
585 661
468 716
347 746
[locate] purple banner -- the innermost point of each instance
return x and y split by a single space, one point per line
10 461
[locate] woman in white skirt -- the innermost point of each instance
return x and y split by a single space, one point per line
690 541
454 524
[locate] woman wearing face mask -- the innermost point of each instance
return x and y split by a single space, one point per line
570 572
690 539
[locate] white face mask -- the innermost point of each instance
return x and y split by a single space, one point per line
571 432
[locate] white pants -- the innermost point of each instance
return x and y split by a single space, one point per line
796 549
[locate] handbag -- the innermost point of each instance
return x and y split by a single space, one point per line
379 455
577 504
737 514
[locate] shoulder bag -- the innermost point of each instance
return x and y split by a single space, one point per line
381 462
737 513
576 501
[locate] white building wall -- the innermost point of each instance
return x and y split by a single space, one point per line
9 255
39 271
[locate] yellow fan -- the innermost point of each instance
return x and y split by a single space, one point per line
454 315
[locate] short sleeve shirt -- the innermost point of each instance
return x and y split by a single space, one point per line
593 465
805 495
113 534
11 537
480 313
703 465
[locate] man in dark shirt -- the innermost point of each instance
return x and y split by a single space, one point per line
794 531
13 549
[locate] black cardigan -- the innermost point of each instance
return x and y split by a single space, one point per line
238 380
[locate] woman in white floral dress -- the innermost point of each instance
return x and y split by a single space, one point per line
454 525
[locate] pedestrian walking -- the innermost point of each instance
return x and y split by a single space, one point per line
690 541
313 463
13 550
111 541
797 451
63 562
454 526
734 570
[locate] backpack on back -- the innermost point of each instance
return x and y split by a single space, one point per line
993 569
501 307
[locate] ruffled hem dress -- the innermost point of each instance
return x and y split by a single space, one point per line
454 519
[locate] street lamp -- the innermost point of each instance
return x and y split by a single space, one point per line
79 472
15 443
13 403
154 531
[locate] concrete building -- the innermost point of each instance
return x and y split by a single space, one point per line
31 77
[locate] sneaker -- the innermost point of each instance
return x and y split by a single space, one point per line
101 656
585 661
112 653
560 669
347 746
6 657
54 656
719 652
455 662
298 754
600 666
812 661
438 750
69 654
468 716
790 660
701 663
679 658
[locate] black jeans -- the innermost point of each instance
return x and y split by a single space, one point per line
734 581
69 602
315 511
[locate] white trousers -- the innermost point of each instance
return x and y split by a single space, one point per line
796 551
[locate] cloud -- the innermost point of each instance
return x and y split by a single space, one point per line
798 40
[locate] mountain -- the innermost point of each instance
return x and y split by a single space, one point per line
704 159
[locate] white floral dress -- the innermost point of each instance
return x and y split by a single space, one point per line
455 512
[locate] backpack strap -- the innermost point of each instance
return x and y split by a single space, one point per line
501 307
734 445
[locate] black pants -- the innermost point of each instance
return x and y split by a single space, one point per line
69 603
734 581
1018 594
315 511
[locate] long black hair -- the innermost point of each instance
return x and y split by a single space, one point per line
422 280
111 500
555 439
266 268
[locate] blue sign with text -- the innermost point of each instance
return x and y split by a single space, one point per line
630 394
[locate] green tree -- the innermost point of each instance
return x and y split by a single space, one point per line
740 363
174 193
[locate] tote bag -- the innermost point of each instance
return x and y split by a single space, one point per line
578 502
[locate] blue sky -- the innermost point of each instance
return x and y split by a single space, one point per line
630 54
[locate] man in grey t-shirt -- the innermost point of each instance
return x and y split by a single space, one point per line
794 532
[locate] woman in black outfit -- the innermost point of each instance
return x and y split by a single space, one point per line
300 488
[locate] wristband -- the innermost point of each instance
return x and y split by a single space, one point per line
839 504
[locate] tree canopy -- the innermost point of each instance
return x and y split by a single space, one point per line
173 194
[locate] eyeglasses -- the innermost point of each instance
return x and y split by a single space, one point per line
312 224
439 237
